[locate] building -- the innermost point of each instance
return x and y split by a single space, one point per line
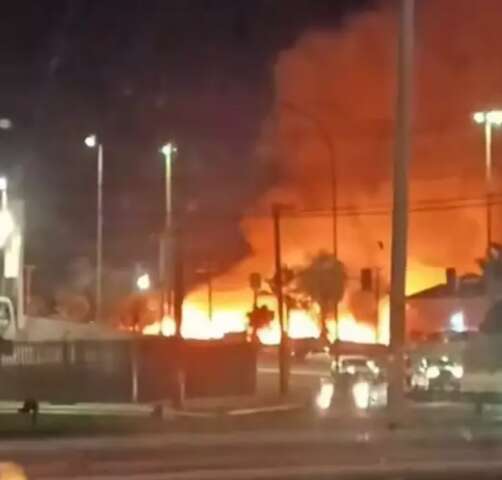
458 305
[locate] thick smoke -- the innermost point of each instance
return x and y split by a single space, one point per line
339 87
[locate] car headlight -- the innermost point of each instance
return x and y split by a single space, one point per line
323 400
361 393
433 372
457 371
373 367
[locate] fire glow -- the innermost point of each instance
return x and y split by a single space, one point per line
230 316
302 324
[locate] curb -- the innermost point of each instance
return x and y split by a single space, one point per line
289 407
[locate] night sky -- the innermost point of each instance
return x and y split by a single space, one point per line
139 73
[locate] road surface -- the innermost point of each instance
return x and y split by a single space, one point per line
264 455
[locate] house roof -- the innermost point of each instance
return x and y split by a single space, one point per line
467 286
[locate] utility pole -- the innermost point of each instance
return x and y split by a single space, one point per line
400 208
284 344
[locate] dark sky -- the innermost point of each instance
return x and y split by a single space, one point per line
139 72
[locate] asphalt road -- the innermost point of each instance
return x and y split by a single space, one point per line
265 455
304 377
296 453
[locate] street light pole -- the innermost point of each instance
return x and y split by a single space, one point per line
168 150
326 137
91 141
488 119
488 182
99 241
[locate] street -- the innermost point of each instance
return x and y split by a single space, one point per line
439 440
266 455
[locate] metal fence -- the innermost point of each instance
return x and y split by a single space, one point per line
141 369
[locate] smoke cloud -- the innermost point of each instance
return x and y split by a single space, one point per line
335 96
335 99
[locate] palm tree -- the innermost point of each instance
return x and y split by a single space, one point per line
259 317
323 281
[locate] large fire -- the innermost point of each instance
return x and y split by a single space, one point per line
196 325
230 316
343 85
301 324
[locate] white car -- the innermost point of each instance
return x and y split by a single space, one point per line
356 365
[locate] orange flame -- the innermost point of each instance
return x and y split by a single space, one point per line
302 324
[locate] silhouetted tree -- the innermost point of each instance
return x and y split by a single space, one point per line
259 317
323 281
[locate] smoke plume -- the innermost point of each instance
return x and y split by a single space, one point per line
334 101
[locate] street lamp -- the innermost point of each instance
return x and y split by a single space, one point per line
143 282
5 123
167 150
91 141
489 119
326 136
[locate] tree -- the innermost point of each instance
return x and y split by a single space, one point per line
323 281
259 317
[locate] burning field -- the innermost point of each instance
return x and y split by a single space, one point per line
333 106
